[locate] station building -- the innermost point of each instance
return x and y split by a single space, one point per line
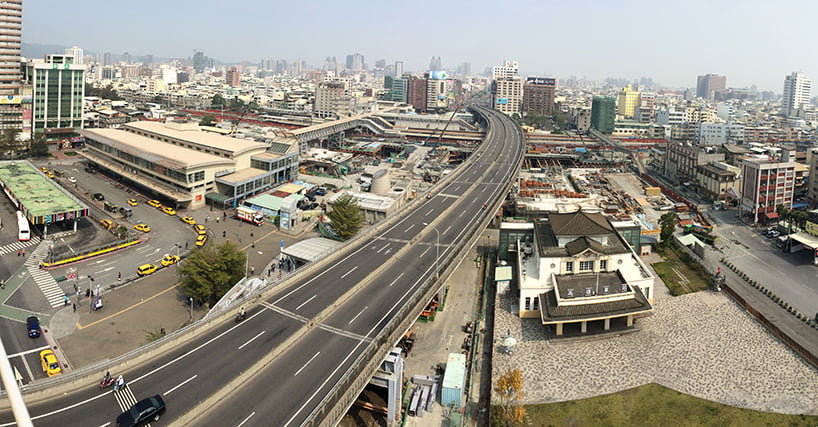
176 162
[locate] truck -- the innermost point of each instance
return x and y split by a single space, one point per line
248 215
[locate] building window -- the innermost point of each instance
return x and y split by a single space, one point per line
603 265
528 303
586 265
569 266
536 304
647 293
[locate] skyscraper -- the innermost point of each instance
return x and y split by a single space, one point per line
797 93
627 100
435 64
603 114
198 61
355 62
538 95
58 85
11 17
398 68
708 85
76 52
232 77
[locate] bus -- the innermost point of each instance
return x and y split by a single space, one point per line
24 232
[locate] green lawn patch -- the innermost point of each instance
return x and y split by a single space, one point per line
653 405
681 274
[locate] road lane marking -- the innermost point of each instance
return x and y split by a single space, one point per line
359 313
461 213
252 339
430 212
284 312
126 308
28 369
348 272
424 252
181 384
446 230
410 227
396 280
106 424
104 270
246 419
305 302
384 247
305 365
22 353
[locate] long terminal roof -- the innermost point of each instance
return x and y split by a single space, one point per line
226 143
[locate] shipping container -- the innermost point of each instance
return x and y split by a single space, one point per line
453 381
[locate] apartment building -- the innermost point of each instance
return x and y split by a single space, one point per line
538 95
766 183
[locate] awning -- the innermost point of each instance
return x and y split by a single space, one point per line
772 215
217 197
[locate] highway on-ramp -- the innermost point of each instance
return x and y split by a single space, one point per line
296 345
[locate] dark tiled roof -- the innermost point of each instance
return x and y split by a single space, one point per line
550 312
581 244
579 224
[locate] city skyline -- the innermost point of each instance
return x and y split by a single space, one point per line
630 39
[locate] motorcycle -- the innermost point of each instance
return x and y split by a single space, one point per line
240 317
106 382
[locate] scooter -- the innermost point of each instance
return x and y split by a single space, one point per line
240 316
106 382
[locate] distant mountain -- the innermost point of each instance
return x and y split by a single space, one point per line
38 51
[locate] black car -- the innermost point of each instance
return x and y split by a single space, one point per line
144 411
99 196
33 326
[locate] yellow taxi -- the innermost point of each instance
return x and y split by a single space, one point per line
146 269
188 220
142 227
43 169
154 203
170 260
50 364
200 241
200 229
132 202
107 223
50 174
169 211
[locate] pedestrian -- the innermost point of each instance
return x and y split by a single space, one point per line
225 215
252 270
119 276
18 252
206 218
251 234
24 252
65 300
217 220
2 284
254 243
224 233
187 245
211 208
75 307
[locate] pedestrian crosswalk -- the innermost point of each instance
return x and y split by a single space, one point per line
45 281
17 246
124 398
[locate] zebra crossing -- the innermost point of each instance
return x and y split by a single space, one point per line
125 398
16 246
45 281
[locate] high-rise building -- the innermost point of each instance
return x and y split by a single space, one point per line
797 93
708 85
626 101
232 77
603 113
198 61
508 70
76 52
398 68
436 92
11 18
331 99
126 58
106 59
400 89
508 94
645 109
355 62
538 95
435 64
416 93
766 183
58 85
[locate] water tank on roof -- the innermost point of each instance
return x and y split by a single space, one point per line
380 182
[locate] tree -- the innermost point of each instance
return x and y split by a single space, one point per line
346 216
209 272
39 147
509 389
104 92
668 223
208 120
516 118
559 120
8 142
237 105
218 101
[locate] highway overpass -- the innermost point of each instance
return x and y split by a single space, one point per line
309 345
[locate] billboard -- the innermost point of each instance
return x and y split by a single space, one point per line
11 99
437 75
540 81
502 101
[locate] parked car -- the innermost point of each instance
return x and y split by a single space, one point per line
146 269
72 180
33 326
320 191
50 364
201 240
132 202
99 196
154 203
200 229
169 211
188 220
170 260
142 412
107 224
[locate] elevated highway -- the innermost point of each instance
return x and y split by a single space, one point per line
310 344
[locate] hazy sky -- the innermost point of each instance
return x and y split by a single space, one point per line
751 41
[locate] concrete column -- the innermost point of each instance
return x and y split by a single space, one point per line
559 329
608 324
584 327
630 321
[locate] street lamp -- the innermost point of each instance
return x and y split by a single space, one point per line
191 308
437 251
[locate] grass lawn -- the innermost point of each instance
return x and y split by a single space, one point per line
654 405
681 274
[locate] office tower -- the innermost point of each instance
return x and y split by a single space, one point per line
11 111
399 89
381 63
106 59
436 92
797 93
355 62
198 61
538 95
398 68
464 69
76 52
508 70
58 85
435 64
231 77
603 114
416 93
508 94
627 100
708 85
126 58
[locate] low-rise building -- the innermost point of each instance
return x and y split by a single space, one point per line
713 180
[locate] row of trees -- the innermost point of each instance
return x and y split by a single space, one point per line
554 123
